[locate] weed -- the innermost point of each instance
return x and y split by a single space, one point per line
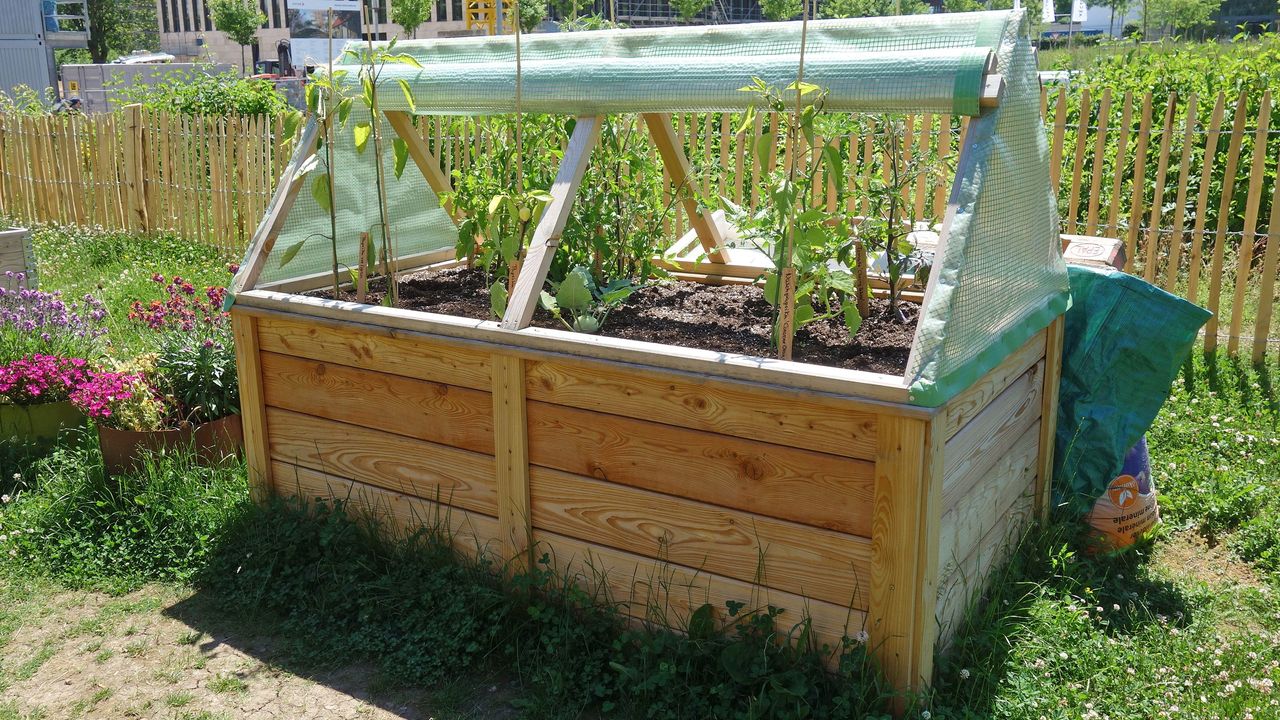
225 683
191 637
170 676
178 699
135 650
13 711
84 705
103 656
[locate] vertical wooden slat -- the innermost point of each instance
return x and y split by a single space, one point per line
922 180
1202 201
511 457
1077 166
1174 268
252 405
1157 196
1099 161
1055 149
1224 217
756 169
726 130
1118 170
944 152
1244 259
1048 416
1139 187
1267 283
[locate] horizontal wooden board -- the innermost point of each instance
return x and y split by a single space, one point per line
747 411
801 485
653 590
372 348
779 554
392 462
968 455
1010 478
967 405
472 533
445 414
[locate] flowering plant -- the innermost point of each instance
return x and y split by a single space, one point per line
41 379
40 323
120 400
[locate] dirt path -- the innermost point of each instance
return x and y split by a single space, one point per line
159 653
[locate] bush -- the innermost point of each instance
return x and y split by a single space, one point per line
201 93
427 615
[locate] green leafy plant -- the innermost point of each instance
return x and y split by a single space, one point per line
202 92
689 10
780 9
586 304
409 14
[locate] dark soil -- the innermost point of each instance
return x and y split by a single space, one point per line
723 318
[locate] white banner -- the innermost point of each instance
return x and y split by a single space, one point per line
334 5
1079 11
1046 12
309 28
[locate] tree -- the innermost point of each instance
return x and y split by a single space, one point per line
239 19
121 26
873 8
689 9
1179 15
409 14
532 13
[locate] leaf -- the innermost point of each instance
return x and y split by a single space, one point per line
291 252
291 123
616 296
367 85
344 110
495 202
804 314
771 288
308 165
842 281
408 94
852 319
362 131
405 59
498 298
835 165
702 623
401 149
747 119
313 98
763 146
548 302
573 293
320 191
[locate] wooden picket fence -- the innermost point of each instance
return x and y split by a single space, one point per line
1190 183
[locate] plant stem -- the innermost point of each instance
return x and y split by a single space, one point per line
376 127
328 151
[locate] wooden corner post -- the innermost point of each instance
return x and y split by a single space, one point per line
253 410
1048 418
904 540
511 459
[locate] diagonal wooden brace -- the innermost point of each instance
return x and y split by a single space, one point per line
422 156
677 165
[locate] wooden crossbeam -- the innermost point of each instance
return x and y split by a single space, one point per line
428 164
264 239
664 137
546 236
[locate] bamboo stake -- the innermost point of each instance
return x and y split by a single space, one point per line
1139 184
1055 149
1266 288
1117 185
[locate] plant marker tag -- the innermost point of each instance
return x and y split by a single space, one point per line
362 273
786 313
513 273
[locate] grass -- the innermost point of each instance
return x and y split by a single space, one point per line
1060 634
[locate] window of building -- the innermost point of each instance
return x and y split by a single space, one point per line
457 10
442 10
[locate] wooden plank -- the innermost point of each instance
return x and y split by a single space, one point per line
511 458
1267 283
1157 200
1055 148
887 391
133 153
264 239
1202 202
810 422
1174 266
964 407
655 590
677 165
1049 418
1077 166
787 483
546 236
446 414
393 462
472 533
1138 187
428 164
252 405
372 348
1118 171
992 91
773 553
894 609
973 450
1244 260
1224 216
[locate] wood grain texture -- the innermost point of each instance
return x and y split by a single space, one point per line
965 406
774 553
445 414
1049 418
895 549
252 405
971 452
654 590
677 165
365 347
386 460
1244 260
511 456
807 487
805 421
471 532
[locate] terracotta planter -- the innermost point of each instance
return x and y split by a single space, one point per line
37 423
214 442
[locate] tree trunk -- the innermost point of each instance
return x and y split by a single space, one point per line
242 72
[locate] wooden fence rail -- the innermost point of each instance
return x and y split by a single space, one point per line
1189 183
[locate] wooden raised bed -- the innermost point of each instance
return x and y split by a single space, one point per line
686 476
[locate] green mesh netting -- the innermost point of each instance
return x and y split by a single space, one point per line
1001 277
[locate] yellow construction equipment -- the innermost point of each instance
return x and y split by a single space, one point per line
483 14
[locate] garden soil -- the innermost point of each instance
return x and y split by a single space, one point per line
722 318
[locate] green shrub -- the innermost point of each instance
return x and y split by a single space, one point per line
201 93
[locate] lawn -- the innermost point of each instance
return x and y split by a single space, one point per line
166 595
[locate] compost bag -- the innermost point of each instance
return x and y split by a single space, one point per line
1123 343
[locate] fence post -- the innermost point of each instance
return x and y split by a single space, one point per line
135 149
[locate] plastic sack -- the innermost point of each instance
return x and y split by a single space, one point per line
1123 343
1127 510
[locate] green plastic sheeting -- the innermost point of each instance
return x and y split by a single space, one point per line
1123 343
912 64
